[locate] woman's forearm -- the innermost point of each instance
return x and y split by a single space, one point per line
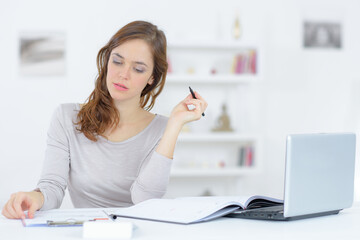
167 143
180 116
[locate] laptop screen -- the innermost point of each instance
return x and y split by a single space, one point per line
319 173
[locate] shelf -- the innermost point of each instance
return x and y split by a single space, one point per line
235 64
221 172
216 137
216 79
230 45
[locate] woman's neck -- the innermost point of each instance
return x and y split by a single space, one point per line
130 113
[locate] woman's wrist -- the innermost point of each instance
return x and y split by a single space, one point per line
39 196
174 125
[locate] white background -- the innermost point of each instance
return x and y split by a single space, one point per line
302 90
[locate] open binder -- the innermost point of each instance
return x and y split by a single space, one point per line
189 210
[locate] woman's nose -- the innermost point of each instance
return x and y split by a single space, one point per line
125 72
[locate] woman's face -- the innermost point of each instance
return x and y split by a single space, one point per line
130 68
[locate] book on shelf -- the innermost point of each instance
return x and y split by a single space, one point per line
170 70
188 210
244 62
246 156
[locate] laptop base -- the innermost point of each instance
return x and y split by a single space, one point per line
275 213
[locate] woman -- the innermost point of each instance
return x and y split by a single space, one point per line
111 151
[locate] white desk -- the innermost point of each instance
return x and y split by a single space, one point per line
345 225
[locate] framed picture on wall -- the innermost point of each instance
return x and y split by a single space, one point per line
42 54
322 35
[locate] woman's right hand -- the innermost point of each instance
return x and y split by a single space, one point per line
181 114
22 201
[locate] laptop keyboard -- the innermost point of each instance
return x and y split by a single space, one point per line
275 212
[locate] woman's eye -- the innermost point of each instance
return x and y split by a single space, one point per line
139 70
117 62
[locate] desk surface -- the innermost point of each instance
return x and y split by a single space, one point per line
345 225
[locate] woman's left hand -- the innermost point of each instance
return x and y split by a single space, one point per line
181 113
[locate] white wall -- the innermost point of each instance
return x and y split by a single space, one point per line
302 90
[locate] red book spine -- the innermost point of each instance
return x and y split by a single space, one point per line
249 156
253 62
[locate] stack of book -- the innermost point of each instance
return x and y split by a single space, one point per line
244 62
246 156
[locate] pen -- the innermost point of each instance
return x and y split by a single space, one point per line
71 222
66 223
193 95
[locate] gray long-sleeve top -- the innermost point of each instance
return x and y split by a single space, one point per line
102 173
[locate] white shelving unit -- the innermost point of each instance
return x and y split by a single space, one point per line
223 172
229 146
212 79
216 137
212 45
207 154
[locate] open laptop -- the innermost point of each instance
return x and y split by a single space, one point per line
319 178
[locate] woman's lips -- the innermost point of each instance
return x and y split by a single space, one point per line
120 87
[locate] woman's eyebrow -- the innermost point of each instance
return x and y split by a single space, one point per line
116 54
137 62
141 63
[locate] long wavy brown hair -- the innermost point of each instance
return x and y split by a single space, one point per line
99 112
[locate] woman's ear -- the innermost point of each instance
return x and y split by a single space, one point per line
151 80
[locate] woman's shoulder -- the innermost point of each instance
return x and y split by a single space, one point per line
161 118
67 112
69 107
160 121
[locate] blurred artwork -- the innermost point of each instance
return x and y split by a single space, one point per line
322 35
42 54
